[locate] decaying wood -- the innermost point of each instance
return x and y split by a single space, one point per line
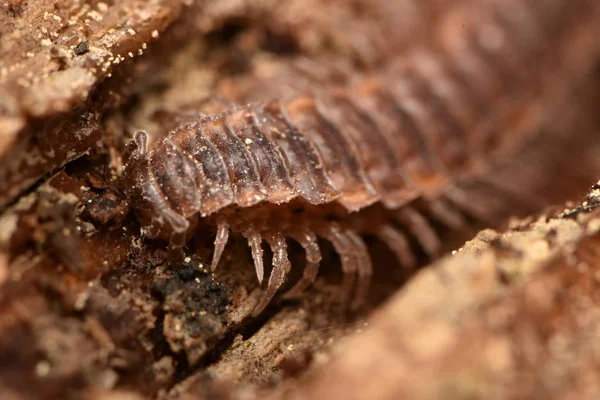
52 56
512 315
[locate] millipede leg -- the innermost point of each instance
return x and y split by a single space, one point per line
519 195
470 204
398 244
365 269
220 242
446 214
343 246
421 229
176 242
308 241
178 236
179 226
254 241
281 266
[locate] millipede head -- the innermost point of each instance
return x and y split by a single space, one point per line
160 188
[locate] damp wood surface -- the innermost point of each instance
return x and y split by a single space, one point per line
90 309
515 314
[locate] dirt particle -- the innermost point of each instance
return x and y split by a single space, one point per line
81 48
42 368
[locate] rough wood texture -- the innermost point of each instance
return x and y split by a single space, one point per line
53 55
513 314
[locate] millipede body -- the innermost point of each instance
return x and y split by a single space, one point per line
339 162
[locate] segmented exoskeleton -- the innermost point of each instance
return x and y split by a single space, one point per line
340 162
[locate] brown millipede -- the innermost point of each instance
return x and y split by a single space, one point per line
353 159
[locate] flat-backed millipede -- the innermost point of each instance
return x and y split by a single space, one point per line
341 162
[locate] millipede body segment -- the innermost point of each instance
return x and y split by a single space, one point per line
340 162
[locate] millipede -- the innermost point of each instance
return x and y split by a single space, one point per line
340 162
